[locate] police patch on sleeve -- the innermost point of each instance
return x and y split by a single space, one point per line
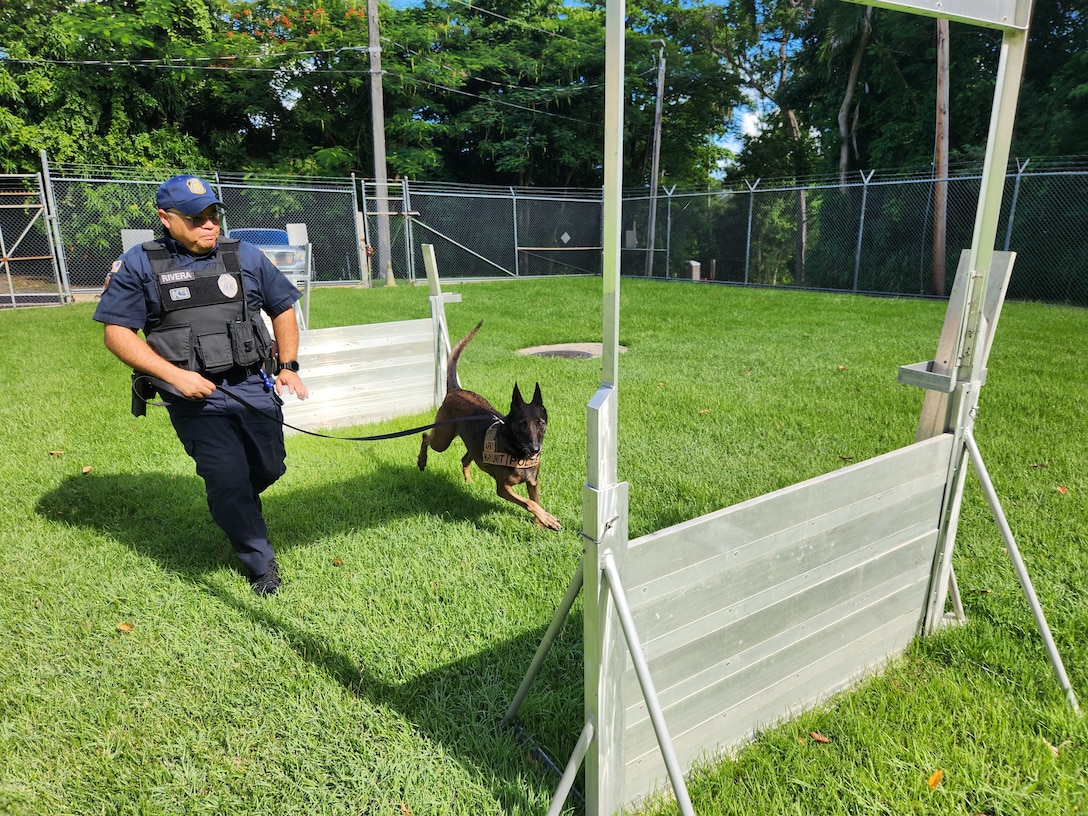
228 285
111 273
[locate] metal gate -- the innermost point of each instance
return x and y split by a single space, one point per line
28 258
479 233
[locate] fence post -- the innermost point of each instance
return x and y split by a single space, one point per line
514 211
748 237
668 228
1020 168
366 234
406 198
861 224
360 233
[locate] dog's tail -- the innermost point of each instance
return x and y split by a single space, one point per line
452 383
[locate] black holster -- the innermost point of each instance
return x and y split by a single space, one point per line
143 391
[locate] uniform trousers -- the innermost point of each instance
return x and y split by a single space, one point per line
238 453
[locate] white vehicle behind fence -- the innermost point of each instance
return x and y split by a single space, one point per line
291 258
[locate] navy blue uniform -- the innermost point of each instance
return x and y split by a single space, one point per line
237 452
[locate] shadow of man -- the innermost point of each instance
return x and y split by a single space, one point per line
458 705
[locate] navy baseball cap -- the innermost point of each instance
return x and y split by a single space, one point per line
186 194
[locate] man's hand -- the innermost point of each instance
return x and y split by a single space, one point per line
293 383
134 351
190 384
285 331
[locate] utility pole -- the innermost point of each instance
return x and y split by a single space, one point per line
383 254
651 227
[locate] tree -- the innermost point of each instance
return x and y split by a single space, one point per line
1053 109
702 90
63 89
849 29
889 116
757 39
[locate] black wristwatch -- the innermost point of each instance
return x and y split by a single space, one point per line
290 365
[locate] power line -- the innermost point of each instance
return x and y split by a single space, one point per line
511 86
178 63
468 4
404 77
488 99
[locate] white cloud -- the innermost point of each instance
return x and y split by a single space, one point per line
749 121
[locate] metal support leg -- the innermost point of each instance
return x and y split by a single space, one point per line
542 651
571 771
642 669
957 603
1021 570
955 617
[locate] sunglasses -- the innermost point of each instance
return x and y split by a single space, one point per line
199 220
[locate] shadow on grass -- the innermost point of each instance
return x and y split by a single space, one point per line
166 517
459 705
383 494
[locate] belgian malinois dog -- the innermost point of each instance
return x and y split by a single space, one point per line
505 447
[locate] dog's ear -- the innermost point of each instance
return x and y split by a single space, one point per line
537 399
516 401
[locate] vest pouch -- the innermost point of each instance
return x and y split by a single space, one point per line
174 344
244 343
264 339
264 343
213 352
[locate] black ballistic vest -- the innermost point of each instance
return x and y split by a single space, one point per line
205 323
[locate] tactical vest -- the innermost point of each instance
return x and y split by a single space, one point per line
205 323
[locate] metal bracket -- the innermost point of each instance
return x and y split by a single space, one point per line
922 375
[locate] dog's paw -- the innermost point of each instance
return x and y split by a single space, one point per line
547 520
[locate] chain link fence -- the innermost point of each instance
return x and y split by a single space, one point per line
871 235
94 205
482 232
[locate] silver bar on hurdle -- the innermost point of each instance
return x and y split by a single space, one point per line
566 782
642 669
1021 570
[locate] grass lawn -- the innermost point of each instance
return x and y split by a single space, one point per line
139 674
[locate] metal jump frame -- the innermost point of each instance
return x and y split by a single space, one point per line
952 381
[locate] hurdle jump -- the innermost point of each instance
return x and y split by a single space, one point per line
697 635
362 374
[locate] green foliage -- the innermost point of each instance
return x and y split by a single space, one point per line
895 105
511 94
776 153
64 98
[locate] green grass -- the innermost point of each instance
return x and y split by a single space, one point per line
374 682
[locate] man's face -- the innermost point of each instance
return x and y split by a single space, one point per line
197 233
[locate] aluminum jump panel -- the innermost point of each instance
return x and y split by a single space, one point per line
752 613
362 374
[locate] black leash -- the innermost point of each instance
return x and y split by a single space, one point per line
375 438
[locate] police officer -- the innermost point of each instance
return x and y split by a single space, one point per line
197 298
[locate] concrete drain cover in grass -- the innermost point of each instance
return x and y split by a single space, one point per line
573 351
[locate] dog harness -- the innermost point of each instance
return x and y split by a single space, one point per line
496 457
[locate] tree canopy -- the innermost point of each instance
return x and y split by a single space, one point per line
512 92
